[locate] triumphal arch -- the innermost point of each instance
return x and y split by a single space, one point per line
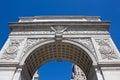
83 40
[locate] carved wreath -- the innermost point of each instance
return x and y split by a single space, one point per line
105 49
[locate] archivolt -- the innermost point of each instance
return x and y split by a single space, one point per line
57 51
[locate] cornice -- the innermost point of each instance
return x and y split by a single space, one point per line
102 24
60 17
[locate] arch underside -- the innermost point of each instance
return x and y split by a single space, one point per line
57 51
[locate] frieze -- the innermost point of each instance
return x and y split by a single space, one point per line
106 50
31 43
65 32
86 32
12 49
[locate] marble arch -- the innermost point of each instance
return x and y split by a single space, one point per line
83 40
58 51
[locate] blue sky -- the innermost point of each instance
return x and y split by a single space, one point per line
10 10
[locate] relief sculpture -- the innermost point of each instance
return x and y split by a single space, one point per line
106 50
58 31
86 42
31 43
12 49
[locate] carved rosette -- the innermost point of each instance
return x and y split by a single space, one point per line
86 42
31 43
106 50
11 51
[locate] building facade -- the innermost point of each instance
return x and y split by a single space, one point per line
83 40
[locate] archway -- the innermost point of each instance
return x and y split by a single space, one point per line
56 51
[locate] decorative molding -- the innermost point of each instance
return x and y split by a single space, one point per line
12 49
72 32
106 50
31 43
87 32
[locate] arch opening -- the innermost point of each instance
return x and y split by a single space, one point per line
56 51
63 70
55 70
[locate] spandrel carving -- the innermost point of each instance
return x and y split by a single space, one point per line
31 43
86 42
